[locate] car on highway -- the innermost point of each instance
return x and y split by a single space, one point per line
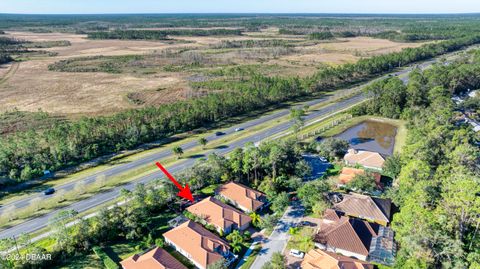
49 191
219 133
297 253
239 129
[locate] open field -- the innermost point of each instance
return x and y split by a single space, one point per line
166 70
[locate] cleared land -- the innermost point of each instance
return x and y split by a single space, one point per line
114 79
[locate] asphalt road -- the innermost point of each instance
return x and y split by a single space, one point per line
101 198
122 168
279 237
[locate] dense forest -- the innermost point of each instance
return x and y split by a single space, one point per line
25 155
408 28
160 34
438 186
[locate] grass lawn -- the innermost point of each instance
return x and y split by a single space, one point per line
209 190
333 170
90 261
302 240
122 250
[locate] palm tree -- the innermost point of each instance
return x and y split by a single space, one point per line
236 241
256 219
178 151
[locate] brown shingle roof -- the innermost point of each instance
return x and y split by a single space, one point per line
218 213
365 158
242 195
345 233
319 259
156 258
361 206
202 245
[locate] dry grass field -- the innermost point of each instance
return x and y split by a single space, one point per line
31 86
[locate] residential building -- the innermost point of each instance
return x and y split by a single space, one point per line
319 259
243 197
367 159
224 217
156 258
199 245
348 174
347 236
365 207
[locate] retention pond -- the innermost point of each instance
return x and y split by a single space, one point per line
372 136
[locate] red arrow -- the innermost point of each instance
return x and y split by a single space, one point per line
184 192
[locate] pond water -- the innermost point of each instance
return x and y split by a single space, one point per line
372 136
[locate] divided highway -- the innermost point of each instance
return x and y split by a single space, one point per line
102 198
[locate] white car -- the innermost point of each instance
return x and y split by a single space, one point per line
297 253
238 129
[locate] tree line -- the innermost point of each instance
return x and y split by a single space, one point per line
160 34
321 36
265 43
26 154
8 46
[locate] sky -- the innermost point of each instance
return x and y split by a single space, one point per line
237 6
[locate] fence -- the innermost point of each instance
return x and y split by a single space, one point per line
326 127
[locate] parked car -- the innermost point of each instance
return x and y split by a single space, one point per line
49 191
297 253
219 133
239 129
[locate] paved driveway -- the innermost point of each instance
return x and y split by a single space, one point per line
279 237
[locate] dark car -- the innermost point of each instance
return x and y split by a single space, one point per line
219 133
49 191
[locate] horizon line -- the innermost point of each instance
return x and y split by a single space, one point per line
253 13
